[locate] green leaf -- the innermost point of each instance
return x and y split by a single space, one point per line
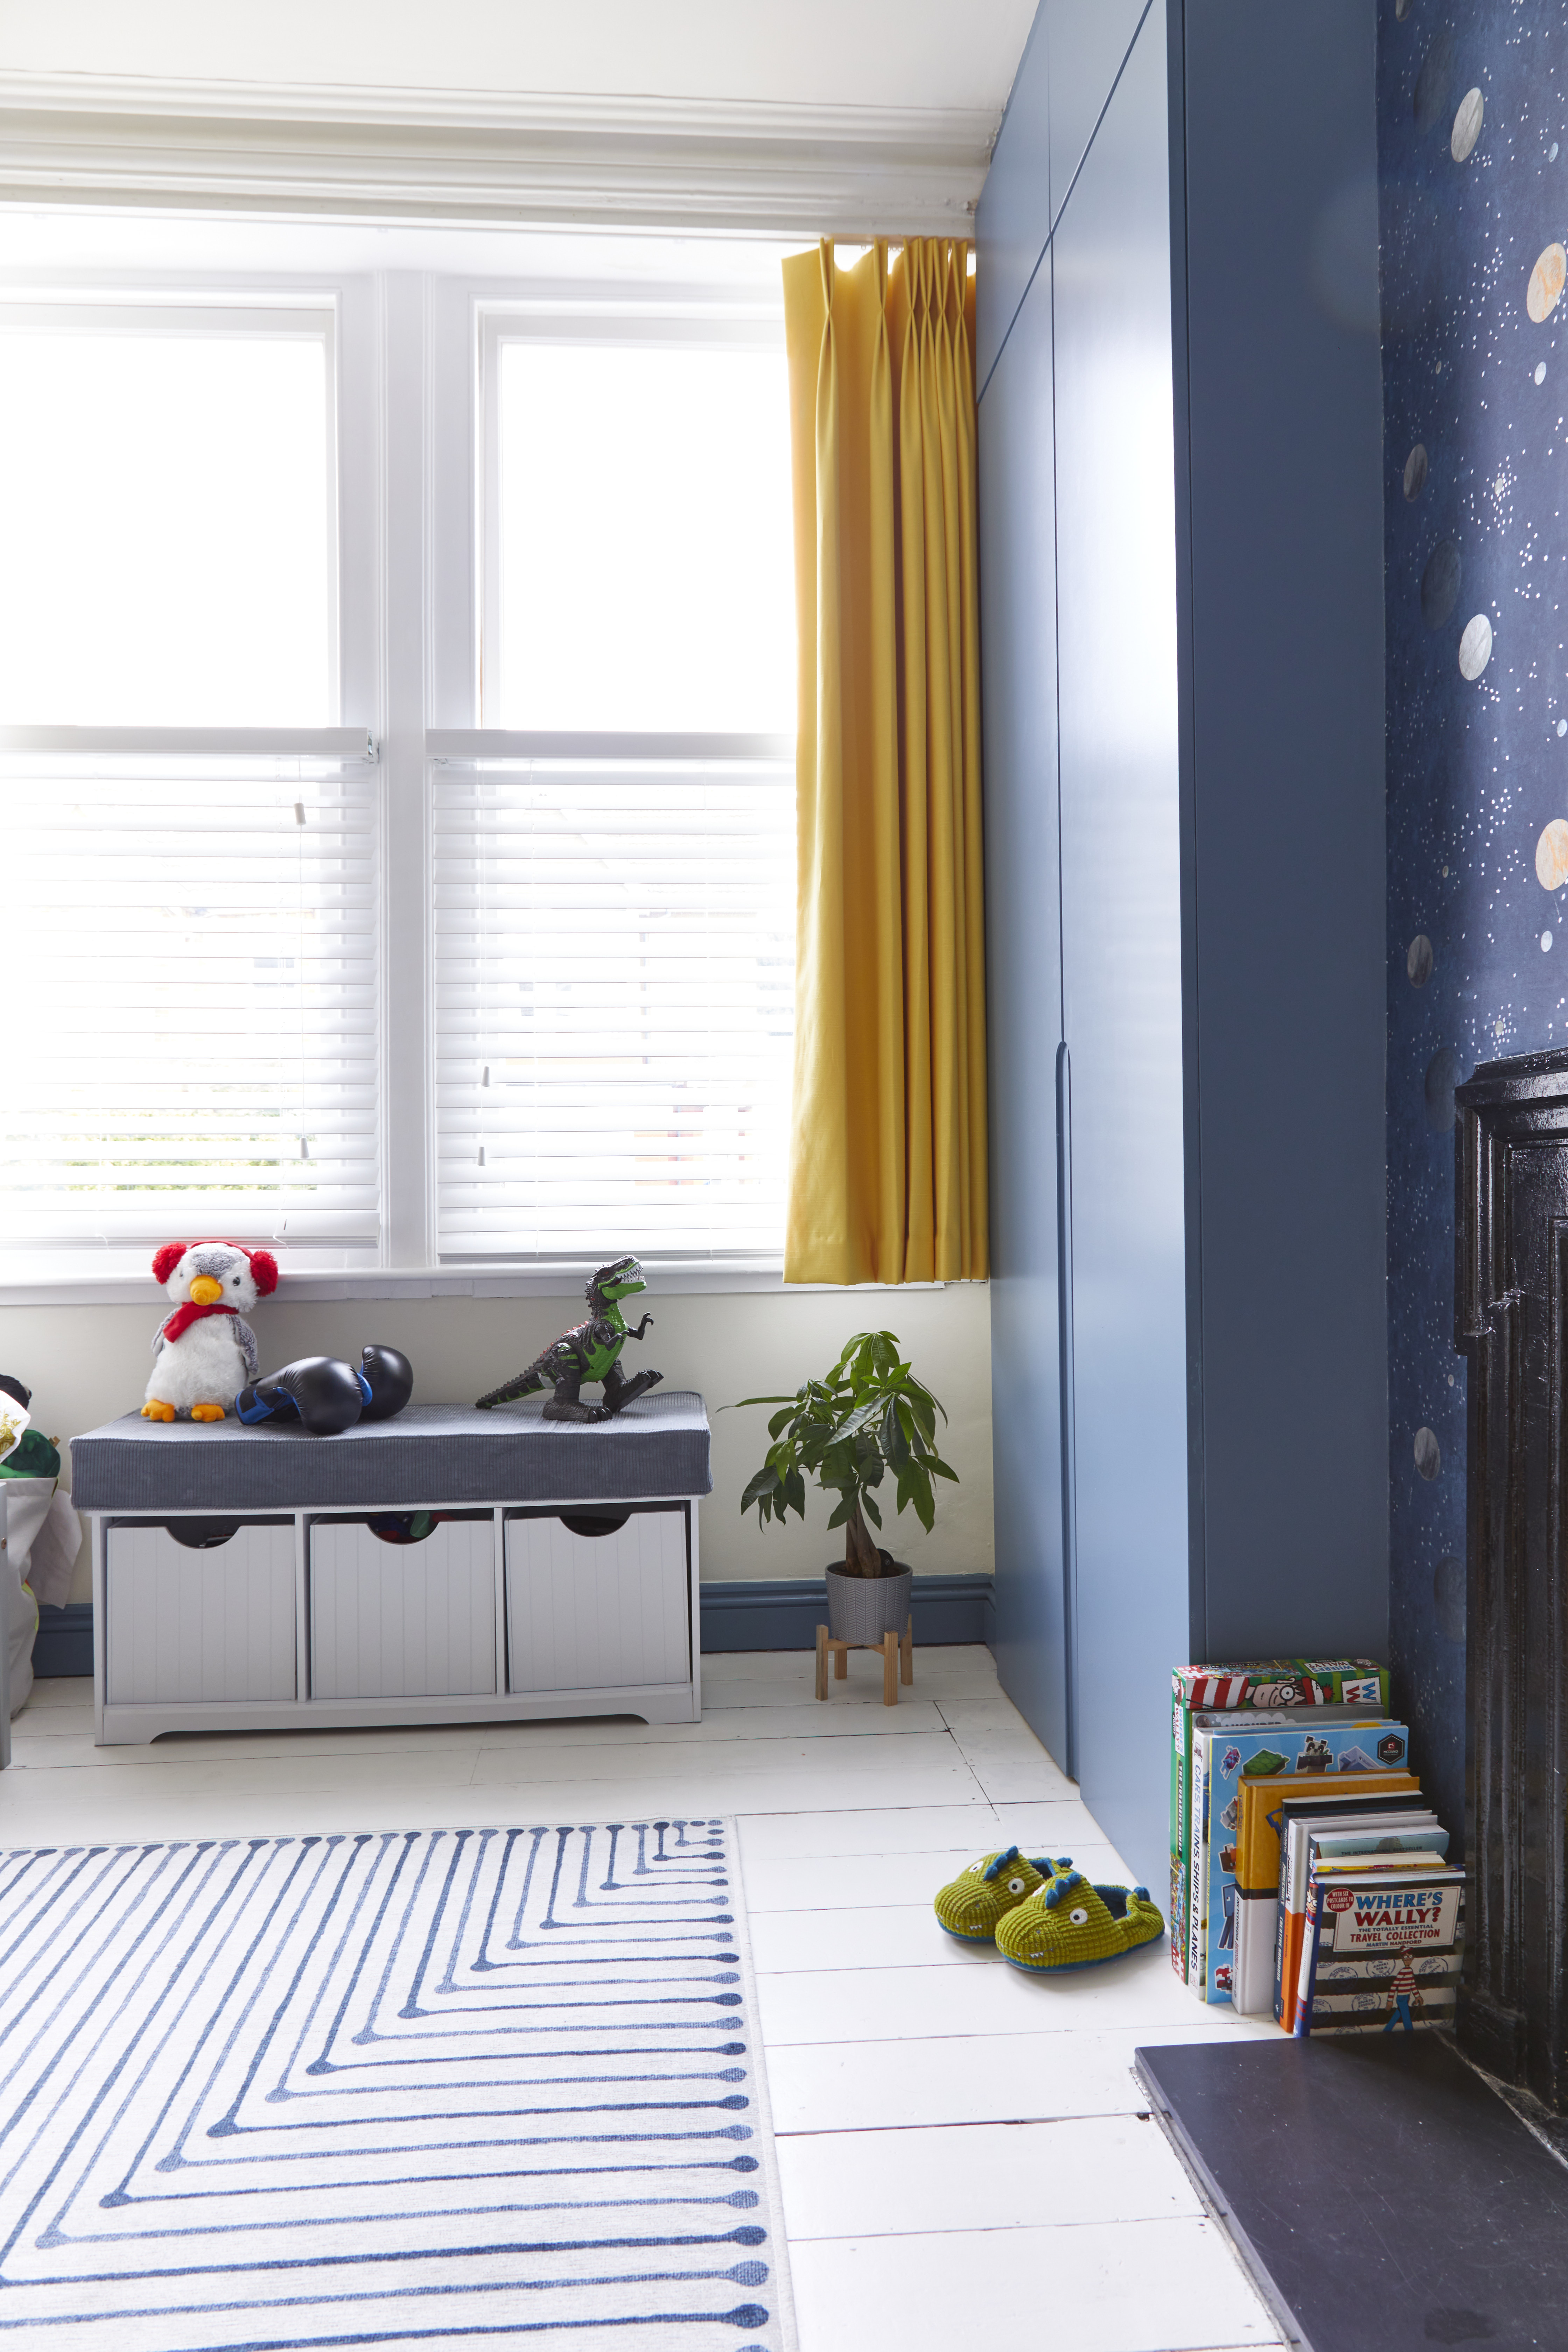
844 1511
762 1484
868 1505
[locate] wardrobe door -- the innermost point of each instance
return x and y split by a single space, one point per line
1018 622
1122 954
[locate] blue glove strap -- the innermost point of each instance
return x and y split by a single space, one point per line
366 1392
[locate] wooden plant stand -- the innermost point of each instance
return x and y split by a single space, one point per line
897 1660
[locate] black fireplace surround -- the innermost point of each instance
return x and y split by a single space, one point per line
1510 1321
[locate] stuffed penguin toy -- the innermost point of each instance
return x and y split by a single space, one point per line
204 1353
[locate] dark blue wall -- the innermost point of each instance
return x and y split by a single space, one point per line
1477 767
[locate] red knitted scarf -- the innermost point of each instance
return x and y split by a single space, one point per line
181 1320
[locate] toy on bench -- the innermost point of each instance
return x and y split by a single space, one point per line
327 1396
204 1352
589 1351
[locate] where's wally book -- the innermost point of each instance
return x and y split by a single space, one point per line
1382 1950
1277 1746
1268 1683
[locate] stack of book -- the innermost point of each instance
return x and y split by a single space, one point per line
1367 1927
1308 1722
1310 1881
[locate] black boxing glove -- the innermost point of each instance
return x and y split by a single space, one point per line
386 1383
321 1392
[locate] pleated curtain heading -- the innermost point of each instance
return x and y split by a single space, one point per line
888 1166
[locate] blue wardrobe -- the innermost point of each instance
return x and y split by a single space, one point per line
1182 638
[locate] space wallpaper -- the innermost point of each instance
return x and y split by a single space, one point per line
1473 200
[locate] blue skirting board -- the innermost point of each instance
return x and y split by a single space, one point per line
782 1613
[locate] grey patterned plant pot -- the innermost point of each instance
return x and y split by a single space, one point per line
863 1607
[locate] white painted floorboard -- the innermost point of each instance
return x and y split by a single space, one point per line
946 2125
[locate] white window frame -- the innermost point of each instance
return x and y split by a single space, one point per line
412 353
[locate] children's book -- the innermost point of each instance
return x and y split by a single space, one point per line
1226 1726
1311 1748
1259 1682
1228 1720
1257 1937
1395 1825
1267 1804
1382 1949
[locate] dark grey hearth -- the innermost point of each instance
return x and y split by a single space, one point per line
1384 2196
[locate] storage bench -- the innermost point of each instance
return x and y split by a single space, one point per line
448 1566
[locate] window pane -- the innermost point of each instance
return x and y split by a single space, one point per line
614 1000
165 536
646 567
191 977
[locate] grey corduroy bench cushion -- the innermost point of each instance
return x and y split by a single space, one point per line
428 1453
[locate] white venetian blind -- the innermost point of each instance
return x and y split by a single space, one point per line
615 994
191 999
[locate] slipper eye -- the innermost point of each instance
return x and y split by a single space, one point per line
976 1869
1015 1886
1080 1917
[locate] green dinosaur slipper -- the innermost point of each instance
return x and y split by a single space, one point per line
1068 1924
969 1905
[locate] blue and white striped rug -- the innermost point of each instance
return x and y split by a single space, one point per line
435 2087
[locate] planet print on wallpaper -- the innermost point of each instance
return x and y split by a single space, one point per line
1475 647
1428 1452
1546 282
1440 584
1416 472
1418 960
1466 126
1551 855
1473 261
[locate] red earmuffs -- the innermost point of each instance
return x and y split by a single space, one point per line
263 1264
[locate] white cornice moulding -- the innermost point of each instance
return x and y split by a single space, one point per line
479 158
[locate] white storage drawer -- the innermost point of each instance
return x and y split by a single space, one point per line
210 1624
403 1621
600 1611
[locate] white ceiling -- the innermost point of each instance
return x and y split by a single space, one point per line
937 55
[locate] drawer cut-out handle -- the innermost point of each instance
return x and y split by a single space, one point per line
593 1523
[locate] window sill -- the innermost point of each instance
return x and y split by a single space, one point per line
670 1280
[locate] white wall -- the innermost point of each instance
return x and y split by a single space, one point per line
87 1364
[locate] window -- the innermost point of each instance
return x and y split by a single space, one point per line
191 950
396 769
168 513
640 569
614 902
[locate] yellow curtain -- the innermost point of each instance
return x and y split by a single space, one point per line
888 1175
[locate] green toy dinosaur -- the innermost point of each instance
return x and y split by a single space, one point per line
589 1351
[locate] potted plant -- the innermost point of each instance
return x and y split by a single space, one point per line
868 1418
